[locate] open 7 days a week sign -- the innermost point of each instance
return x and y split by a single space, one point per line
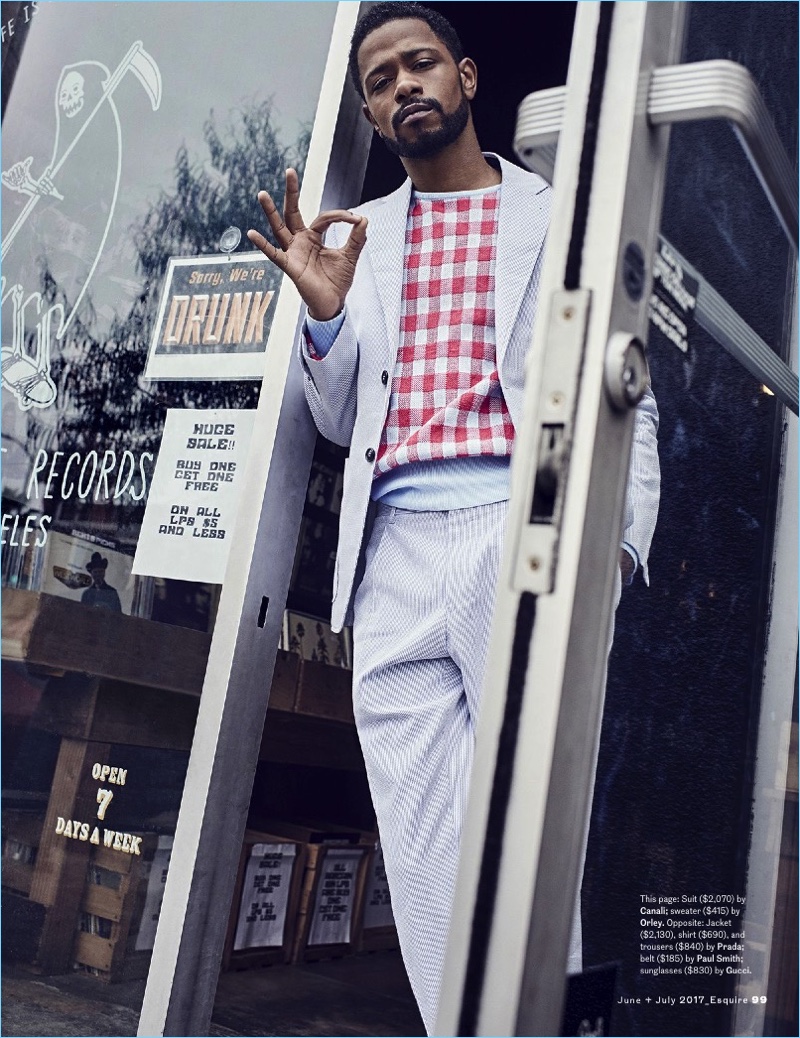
194 495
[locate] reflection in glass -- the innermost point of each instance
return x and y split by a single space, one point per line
120 152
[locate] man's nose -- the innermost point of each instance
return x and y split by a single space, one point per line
406 85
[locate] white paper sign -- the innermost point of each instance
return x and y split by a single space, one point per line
194 496
336 890
377 903
146 937
265 896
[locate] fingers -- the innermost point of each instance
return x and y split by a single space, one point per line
269 250
283 235
331 216
291 209
357 238
285 228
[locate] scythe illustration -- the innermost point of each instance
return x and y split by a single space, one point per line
28 378
138 61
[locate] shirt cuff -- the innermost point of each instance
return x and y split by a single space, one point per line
629 548
321 335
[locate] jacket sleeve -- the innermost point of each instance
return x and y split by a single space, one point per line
330 384
644 482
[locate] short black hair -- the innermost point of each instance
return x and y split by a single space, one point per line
392 11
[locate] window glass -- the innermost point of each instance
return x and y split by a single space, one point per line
134 321
669 890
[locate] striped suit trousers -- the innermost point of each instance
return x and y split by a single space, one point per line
422 618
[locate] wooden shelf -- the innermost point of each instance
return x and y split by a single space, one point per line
136 661
113 680
296 739
66 635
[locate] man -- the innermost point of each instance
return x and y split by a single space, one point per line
413 353
100 595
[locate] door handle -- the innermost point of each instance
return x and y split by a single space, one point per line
717 89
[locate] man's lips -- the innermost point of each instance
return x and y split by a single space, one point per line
413 110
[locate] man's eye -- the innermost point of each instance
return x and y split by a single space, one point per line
379 84
423 63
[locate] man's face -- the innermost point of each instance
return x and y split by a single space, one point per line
98 575
417 98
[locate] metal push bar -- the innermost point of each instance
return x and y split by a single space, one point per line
716 89
687 93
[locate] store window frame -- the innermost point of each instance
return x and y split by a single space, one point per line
194 916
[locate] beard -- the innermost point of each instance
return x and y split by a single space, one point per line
430 142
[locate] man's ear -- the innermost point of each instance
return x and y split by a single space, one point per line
368 116
469 77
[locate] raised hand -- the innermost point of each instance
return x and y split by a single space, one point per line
323 275
18 178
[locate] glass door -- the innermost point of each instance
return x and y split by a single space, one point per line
135 330
689 878
691 870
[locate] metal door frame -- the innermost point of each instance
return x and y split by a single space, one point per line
183 974
523 910
537 739
772 756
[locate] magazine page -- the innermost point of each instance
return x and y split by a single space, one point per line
275 314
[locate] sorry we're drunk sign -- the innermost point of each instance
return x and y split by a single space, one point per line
213 318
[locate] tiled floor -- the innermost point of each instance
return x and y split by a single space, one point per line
357 995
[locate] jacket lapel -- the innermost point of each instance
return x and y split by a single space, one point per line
522 225
386 238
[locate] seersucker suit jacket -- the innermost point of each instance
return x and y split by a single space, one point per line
348 392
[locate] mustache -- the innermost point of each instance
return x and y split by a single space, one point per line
429 102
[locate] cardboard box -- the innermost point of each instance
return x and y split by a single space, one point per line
328 919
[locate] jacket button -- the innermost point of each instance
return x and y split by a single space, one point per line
370 455
384 377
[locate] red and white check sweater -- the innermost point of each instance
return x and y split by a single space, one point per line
446 400
448 434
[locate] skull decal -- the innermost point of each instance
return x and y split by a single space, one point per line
71 96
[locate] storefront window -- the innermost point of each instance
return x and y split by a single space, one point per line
135 320
135 324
